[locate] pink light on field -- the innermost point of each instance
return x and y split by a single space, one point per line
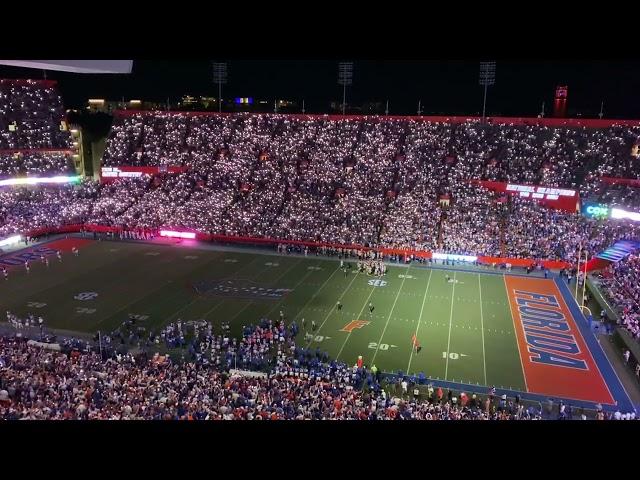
174 234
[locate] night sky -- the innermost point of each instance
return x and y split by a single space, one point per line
445 87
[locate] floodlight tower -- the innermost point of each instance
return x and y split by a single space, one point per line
345 78
219 77
487 78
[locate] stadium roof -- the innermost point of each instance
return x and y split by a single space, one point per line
75 66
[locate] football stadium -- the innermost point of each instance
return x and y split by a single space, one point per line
315 266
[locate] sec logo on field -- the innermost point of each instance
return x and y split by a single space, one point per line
377 283
86 296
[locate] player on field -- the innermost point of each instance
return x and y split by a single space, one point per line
26 265
339 305
59 255
371 307
75 251
304 324
313 325
5 273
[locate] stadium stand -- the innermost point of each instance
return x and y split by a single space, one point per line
365 181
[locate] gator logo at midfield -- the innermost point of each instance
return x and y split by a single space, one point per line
352 325
239 288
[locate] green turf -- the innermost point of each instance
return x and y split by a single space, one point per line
156 281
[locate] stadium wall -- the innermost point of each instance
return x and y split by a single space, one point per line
207 237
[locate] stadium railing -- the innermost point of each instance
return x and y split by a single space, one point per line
621 337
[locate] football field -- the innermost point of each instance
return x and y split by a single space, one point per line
475 328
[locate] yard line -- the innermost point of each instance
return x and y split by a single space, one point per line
126 307
253 301
359 314
484 361
316 294
446 368
389 318
513 319
199 297
295 286
146 294
419 319
334 306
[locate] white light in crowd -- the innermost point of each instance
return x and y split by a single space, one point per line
37 180
10 240
449 256
618 213
174 234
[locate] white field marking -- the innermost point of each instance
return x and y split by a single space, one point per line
446 368
334 306
506 289
419 319
199 297
251 301
359 315
484 361
294 287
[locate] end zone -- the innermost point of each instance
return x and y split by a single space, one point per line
559 358
34 253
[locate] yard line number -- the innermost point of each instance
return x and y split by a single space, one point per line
383 346
453 355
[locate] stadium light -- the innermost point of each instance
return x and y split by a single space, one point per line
345 78
618 213
220 77
487 78
458 258
10 240
38 180
174 234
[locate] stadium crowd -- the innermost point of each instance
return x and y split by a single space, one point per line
623 288
370 182
31 115
39 383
